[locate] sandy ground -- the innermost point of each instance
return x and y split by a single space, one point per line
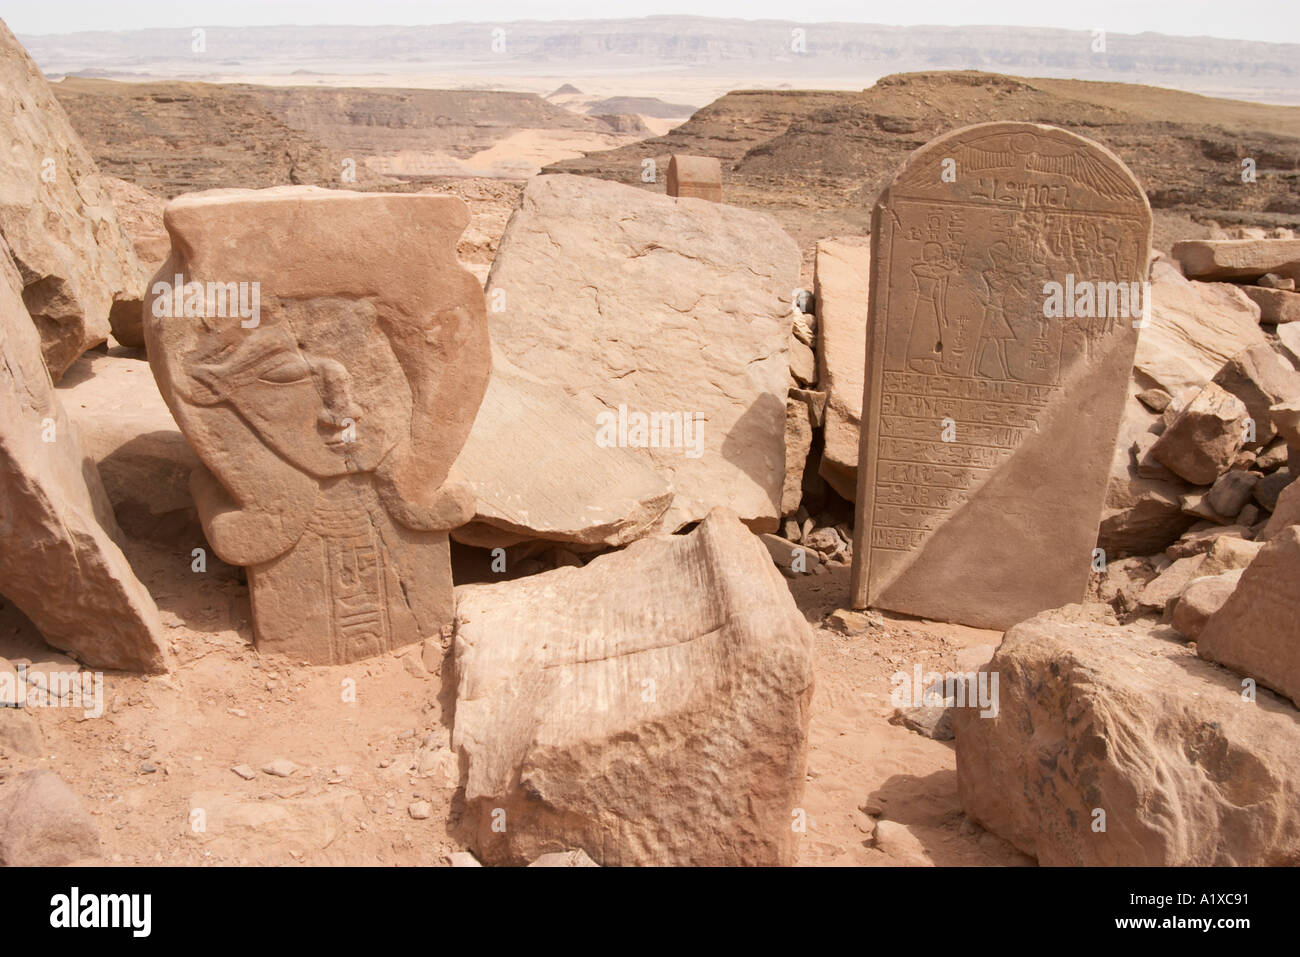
156 769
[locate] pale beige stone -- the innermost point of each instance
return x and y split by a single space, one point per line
648 708
56 217
798 442
657 307
1193 329
1257 631
1260 378
1126 722
60 562
1237 258
1201 599
973 394
1204 439
43 823
842 270
327 422
1276 306
696 177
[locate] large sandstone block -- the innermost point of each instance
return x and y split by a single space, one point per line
990 410
327 408
1128 722
658 307
1237 258
56 217
840 276
649 708
1257 631
59 561
536 473
1193 329
1260 378
697 177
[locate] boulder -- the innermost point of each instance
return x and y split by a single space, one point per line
1193 329
571 489
1288 341
1231 491
1117 746
666 312
842 272
1169 584
57 218
648 708
1268 488
1201 599
1205 437
1260 378
1276 306
43 823
1237 258
1257 631
140 213
56 523
695 177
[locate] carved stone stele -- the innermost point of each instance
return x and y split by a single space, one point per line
325 355
1007 262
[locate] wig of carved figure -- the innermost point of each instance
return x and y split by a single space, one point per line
325 353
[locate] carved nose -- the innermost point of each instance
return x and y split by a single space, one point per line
334 384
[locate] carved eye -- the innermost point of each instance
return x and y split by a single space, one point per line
284 369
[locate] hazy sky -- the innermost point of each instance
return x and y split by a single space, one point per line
1273 20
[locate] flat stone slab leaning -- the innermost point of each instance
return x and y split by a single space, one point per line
1008 262
325 354
649 708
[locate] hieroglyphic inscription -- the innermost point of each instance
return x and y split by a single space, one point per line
966 363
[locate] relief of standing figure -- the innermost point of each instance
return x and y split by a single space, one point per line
929 327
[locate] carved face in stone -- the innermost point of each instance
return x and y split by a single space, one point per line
302 404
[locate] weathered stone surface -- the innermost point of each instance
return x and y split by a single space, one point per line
1276 306
657 307
1193 329
697 177
1169 584
1272 280
791 557
1141 515
1201 599
142 457
1131 723
1268 488
798 442
1288 340
42 822
1285 513
649 708
56 217
571 490
973 391
1201 443
1231 491
842 269
1257 631
140 213
1260 378
1237 258
60 562
326 420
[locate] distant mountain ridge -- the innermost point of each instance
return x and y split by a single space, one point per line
692 42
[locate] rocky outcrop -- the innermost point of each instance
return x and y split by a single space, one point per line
57 218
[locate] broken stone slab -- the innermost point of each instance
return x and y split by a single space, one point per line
43 823
841 272
648 708
1199 539
57 218
1260 378
1237 258
1273 281
1193 329
674 316
1203 440
143 459
326 407
1257 631
1276 306
977 379
1203 776
61 563
572 490
696 177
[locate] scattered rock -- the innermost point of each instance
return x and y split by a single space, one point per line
244 771
462 859
576 858
1201 443
420 810
1201 599
1276 306
43 823
1237 258
280 768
